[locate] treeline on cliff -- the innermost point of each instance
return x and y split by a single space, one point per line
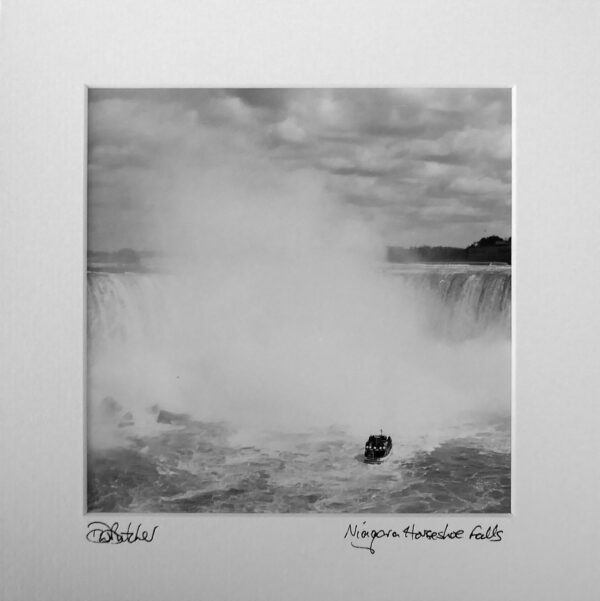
125 259
491 249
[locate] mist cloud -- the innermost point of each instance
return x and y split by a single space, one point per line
274 208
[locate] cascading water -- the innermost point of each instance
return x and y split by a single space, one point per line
150 344
457 302
460 302
126 307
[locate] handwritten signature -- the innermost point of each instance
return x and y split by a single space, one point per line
100 532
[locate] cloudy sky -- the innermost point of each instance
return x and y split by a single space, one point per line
420 166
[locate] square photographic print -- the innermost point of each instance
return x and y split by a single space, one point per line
299 300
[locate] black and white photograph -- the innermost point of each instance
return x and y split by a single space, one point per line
299 300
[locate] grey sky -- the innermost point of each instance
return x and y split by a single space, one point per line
423 166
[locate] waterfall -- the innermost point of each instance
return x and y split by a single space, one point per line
460 302
127 307
435 337
453 302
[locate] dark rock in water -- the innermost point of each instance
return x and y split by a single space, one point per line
110 407
166 417
126 420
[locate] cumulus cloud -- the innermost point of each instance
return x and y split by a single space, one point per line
423 166
289 131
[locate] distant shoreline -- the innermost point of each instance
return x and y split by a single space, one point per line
492 249
451 262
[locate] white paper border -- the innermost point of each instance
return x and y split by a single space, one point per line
50 51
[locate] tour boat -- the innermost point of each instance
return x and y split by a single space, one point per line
378 448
